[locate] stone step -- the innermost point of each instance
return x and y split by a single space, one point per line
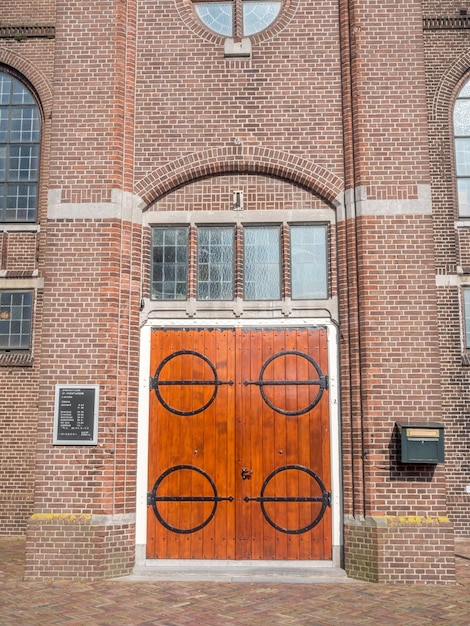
240 571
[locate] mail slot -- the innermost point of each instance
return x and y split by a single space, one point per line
421 443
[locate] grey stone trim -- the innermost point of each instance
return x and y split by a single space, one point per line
152 217
123 206
21 283
278 309
356 204
19 228
237 49
447 280
121 519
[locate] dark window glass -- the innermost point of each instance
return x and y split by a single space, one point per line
19 151
15 320
169 263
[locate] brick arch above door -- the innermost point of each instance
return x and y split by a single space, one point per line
242 160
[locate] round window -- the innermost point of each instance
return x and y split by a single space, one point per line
237 18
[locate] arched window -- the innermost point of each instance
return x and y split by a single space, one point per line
20 130
462 148
237 18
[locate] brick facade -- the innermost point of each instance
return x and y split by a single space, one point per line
341 114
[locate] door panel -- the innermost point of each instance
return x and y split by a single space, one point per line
191 436
277 431
239 454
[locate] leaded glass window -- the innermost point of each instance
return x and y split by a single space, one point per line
215 259
20 129
309 267
237 18
169 263
15 320
262 263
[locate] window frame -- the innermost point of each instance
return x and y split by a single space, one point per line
280 263
32 180
238 288
29 335
214 227
153 280
326 260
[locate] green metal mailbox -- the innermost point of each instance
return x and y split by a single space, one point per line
421 442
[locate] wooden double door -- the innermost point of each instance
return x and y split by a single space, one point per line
239 444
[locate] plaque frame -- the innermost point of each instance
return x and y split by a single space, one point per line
75 422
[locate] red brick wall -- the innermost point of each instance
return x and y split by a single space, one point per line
22 257
93 100
28 12
70 546
447 66
391 550
190 99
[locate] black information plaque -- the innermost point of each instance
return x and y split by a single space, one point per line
76 415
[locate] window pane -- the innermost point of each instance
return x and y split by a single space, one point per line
15 320
462 118
463 191
217 16
262 262
466 295
258 15
169 263
462 156
215 250
19 203
24 124
5 88
4 118
465 91
309 265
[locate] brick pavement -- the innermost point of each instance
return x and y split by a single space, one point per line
126 603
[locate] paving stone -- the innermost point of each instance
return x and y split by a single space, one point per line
130 602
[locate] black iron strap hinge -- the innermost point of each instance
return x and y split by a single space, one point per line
324 382
327 498
150 498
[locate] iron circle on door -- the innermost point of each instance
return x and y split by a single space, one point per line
324 499
156 383
321 382
154 498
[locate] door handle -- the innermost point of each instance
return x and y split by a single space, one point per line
246 473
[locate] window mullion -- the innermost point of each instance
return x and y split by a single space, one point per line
192 262
285 262
239 274
238 20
